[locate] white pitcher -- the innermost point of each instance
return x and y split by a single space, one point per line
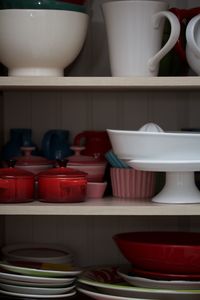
135 32
193 44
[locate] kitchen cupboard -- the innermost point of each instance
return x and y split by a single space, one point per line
89 98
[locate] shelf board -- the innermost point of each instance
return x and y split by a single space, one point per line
102 207
99 83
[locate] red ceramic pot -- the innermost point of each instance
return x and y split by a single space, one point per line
62 185
16 185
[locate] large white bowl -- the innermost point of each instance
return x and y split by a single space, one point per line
155 146
40 42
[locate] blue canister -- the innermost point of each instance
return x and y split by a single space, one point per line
55 144
19 137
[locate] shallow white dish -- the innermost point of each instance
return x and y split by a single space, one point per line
148 283
37 253
38 296
152 149
95 294
145 145
36 280
39 272
35 290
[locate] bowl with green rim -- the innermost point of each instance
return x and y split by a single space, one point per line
42 4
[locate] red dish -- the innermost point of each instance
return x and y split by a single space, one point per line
163 252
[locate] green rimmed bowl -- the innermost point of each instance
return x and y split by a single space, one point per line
42 4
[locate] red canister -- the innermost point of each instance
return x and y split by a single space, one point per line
62 185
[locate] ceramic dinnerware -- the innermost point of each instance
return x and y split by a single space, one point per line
161 251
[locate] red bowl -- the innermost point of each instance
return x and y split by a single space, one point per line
166 252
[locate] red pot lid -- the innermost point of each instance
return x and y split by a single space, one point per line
29 160
62 172
12 172
78 159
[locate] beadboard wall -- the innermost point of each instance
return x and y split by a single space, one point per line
90 237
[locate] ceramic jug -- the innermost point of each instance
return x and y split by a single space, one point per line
96 143
55 144
134 33
193 44
177 60
19 137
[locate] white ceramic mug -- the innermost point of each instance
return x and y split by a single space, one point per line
135 32
193 44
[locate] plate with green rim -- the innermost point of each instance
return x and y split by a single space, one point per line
35 280
38 296
72 271
110 280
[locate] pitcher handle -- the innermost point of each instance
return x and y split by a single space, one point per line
190 30
174 35
79 137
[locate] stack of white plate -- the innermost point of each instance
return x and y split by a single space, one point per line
37 271
118 283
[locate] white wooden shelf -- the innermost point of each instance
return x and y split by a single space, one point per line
102 207
99 83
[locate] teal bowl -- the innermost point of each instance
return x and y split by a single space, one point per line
42 4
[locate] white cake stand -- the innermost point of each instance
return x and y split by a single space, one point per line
180 183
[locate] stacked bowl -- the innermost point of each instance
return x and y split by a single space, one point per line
37 271
94 166
41 38
161 259
160 266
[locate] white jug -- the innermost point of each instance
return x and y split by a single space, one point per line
134 33
193 44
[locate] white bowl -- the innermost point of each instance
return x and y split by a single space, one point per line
40 42
33 252
144 145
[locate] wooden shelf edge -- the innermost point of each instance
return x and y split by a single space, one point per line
105 207
99 83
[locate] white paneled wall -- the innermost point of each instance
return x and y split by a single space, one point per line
88 238
77 111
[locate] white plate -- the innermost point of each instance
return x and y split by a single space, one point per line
35 290
39 272
38 296
45 281
33 284
37 253
165 165
100 296
106 281
187 285
172 295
